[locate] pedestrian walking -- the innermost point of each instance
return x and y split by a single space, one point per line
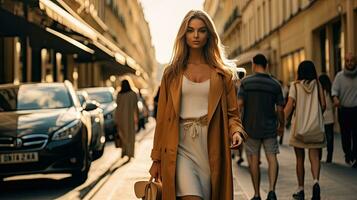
261 97
328 115
197 118
344 92
126 118
307 99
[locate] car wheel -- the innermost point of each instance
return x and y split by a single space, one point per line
98 154
81 175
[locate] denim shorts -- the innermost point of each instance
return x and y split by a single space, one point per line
271 146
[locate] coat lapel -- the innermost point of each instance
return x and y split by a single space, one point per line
215 93
175 89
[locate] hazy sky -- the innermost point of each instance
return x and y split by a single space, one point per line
165 17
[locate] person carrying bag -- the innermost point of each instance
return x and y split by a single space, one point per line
307 130
308 123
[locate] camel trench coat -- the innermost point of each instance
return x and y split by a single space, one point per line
223 121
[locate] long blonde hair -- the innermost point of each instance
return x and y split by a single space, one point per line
213 50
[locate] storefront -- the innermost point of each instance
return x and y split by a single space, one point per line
55 45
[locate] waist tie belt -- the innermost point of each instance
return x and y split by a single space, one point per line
194 124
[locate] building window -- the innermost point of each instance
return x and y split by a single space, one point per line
259 22
270 16
18 66
327 56
251 32
290 64
264 20
323 49
284 10
338 46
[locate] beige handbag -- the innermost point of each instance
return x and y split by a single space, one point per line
148 190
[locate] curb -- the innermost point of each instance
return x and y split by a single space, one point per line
88 190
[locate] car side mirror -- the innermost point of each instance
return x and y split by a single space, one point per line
89 106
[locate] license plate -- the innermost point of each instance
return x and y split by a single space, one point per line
18 157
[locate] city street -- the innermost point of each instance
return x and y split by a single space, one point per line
54 186
79 78
338 181
112 177
121 184
61 186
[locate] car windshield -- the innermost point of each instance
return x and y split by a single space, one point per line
101 97
34 97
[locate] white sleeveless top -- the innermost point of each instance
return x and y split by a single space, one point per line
194 98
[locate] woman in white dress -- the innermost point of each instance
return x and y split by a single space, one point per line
197 118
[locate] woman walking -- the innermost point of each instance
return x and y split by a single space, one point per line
328 115
305 93
197 118
126 117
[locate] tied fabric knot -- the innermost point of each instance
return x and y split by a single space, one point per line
194 125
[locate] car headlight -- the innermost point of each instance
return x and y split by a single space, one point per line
68 131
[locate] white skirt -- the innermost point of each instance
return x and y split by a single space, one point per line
192 166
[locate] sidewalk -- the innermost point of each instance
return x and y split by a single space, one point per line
121 184
337 180
105 166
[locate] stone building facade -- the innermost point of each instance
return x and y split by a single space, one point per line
287 32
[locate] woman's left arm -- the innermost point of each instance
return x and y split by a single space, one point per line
234 122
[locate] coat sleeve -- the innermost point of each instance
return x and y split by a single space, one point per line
234 122
156 151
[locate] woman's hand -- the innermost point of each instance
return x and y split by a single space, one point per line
155 170
236 140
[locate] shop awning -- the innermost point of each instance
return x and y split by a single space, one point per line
104 49
70 20
12 25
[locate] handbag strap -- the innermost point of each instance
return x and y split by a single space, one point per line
152 180
294 114
151 190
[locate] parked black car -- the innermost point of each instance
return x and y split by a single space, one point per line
105 96
43 129
97 119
